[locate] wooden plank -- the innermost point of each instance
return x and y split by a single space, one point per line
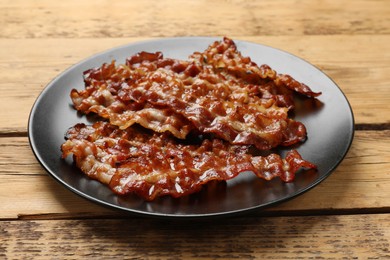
75 19
360 183
322 237
363 78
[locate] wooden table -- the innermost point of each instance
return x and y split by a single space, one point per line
346 216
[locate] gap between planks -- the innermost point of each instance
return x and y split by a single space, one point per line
254 214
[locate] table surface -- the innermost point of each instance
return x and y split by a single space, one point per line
346 216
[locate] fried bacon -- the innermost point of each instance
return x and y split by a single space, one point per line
153 164
224 58
100 96
218 92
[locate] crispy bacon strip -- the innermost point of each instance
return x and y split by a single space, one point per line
154 165
100 96
224 57
218 92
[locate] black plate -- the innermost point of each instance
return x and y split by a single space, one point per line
330 133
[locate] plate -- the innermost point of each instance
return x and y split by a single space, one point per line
330 133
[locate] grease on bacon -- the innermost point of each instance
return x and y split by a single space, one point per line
153 164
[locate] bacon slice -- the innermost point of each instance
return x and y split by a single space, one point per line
100 96
217 91
224 57
153 165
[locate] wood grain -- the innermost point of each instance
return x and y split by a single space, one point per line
100 19
360 183
325 237
345 217
364 78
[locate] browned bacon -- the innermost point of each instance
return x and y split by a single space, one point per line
100 96
223 57
153 165
217 91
